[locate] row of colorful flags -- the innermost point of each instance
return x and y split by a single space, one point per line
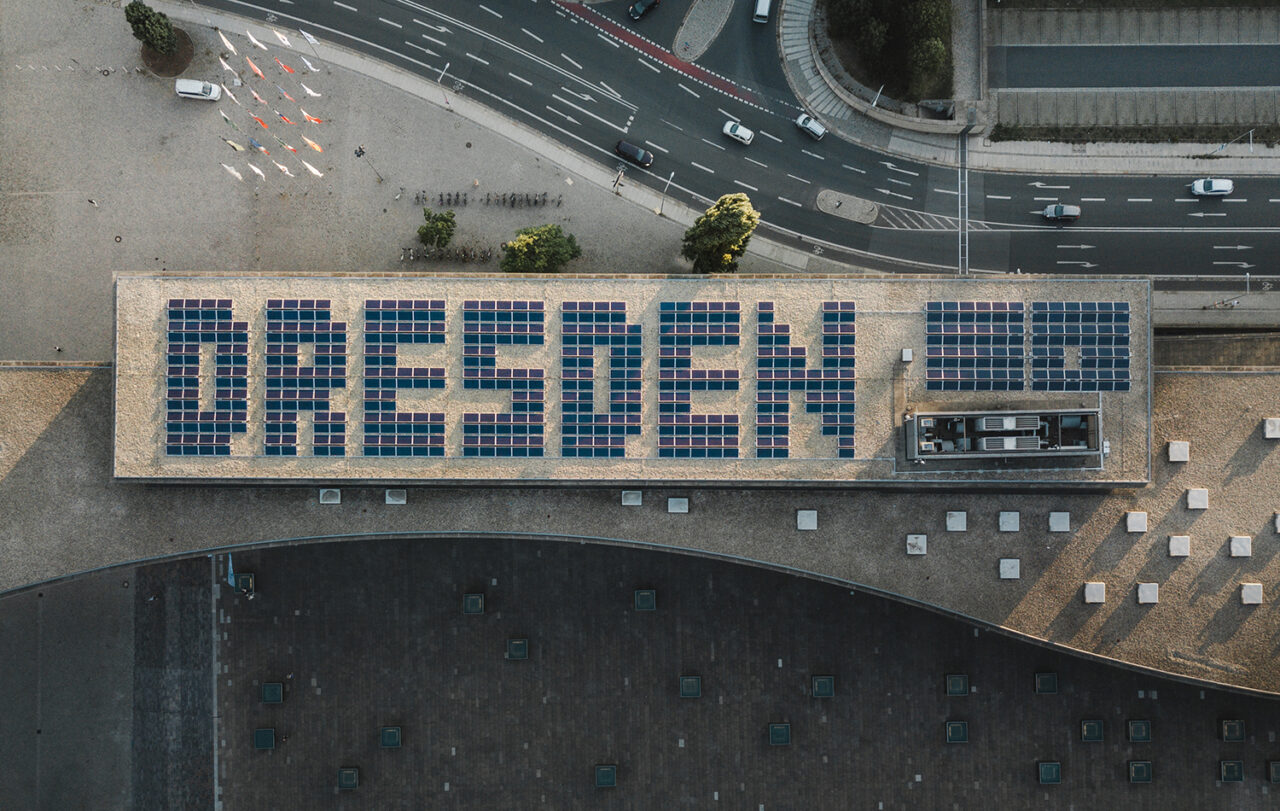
253 143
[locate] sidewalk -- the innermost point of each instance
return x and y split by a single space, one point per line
845 115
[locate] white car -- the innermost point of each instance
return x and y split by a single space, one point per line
811 127
191 89
1212 187
738 132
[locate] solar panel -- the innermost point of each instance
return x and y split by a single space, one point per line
585 433
683 325
486 325
292 388
781 369
974 345
1097 331
390 323
190 431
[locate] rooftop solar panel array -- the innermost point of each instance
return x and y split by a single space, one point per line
190 431
586 326
974 346
292 388
1100 331
828 390
682 326
486 325
388 323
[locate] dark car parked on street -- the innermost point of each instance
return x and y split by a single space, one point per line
640 157
641 7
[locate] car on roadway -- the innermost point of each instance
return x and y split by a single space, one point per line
640 157
641 7
191 89
811 127
738 132
1212 187
1059 212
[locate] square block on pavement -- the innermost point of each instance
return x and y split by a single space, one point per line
1179 546
1095 592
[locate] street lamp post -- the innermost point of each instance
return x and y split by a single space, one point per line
360 153
664 193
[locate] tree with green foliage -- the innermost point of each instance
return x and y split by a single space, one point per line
152 27
928 60
719 237
540 249
438 229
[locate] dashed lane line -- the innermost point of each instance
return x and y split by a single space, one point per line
793 177
478 59
570 61
391 23
757 163
713 143
770 137
648 64
687 90
703 168
483 7
746 185
531 34
661 149
792 202
608 40
520 79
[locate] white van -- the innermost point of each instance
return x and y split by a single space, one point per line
191 89
762 11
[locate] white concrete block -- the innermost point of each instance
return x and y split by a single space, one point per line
678 505
1251 593
1095 592
1135 521
807 519
1197 498
1179 546
1277 522
397 496
1179 451
1241 546
330 496
1148 593
1271 428
1010 521
917 544
907 354
632 498
1010 568
1060 522
957 521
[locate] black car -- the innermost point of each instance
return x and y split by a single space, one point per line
640 8
640 157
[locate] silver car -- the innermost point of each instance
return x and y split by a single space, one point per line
738 132
811 126
191 89
1058 212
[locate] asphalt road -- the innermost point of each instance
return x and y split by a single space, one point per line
589 76
1080 66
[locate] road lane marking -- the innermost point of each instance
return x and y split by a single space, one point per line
792 202
344 5
1187 200
757 163
389 22
535 36
729 115
491 11
813 154
427 51
687 90
570 61
1233 247
568 118
1139 200
1079 247
583 96
713 143
648 64
613 92
1041 185
1077 262
999 197
1237 200
478 59
895 194
703 168
606 39
1045 199
793 177
669 124
661 149
854 169
893 168
898 181
520 79
746 185
948 191
604 121
436 41
1093 199
770 137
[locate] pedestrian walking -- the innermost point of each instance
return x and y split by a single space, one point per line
93 202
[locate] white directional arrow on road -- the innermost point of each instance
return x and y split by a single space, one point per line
1080 247
893 168
1208 214
1040 185
439 28
1242 265
894 194
583 96
1082 264
1233 247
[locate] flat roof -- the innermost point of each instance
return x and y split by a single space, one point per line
501 378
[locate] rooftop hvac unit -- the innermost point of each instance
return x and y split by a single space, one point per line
998 443
928 447
1028 422
1027 443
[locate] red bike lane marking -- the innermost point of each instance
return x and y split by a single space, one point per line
644 46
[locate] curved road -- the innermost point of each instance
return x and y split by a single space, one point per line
589 76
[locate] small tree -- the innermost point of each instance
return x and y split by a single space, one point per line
152 27
540 249
439 228
719 237
928 60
